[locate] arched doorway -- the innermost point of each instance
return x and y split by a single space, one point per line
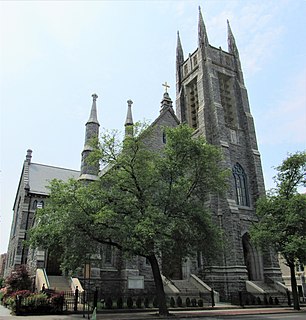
251 259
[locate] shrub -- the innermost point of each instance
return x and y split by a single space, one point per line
57 301
130 302
155 304
146 302
21 293
172 302
18 280
109 303
120 303
200 303
187 302
179 301
138 302
193 302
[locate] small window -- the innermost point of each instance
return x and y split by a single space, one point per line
242 197
108 254
164 137
40 204
34 205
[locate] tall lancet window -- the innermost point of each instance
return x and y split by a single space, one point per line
193 103
242 196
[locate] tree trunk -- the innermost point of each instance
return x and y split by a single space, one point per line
160 293
296 302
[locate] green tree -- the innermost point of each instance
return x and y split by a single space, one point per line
145 203
282 216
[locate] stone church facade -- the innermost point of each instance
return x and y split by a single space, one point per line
211 98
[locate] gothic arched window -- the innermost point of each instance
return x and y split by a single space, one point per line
242 197
34 206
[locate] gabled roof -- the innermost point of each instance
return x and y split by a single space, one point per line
40 176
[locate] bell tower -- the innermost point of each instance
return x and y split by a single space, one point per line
211 97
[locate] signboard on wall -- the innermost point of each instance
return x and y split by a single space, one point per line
136 282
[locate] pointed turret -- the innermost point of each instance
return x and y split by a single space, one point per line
232 48
166 102
202 34
179 50
179 63
129 120
90 171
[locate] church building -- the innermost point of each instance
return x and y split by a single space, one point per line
211 97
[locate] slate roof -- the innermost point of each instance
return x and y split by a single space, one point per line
40 176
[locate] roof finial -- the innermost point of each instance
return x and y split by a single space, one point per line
93 112
129 120
29 156
166 86
129 117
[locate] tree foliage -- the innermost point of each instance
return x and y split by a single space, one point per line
145 203
282 213
18 280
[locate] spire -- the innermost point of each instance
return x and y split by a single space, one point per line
179 63
90 171
232 48
203 39
166 102
179 50
129 119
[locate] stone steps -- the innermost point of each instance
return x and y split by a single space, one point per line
59 283
270 291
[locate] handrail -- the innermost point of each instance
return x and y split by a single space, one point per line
46 277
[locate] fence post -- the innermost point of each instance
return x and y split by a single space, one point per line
212 297
84 296
18 304
240 298
95 301
288 297
76 299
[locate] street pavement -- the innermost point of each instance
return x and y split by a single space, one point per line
219 312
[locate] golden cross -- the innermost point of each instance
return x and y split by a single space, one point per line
166 86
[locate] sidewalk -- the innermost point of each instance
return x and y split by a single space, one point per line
152 315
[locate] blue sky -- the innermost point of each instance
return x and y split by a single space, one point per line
55 54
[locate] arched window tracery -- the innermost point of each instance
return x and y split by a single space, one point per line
242 196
